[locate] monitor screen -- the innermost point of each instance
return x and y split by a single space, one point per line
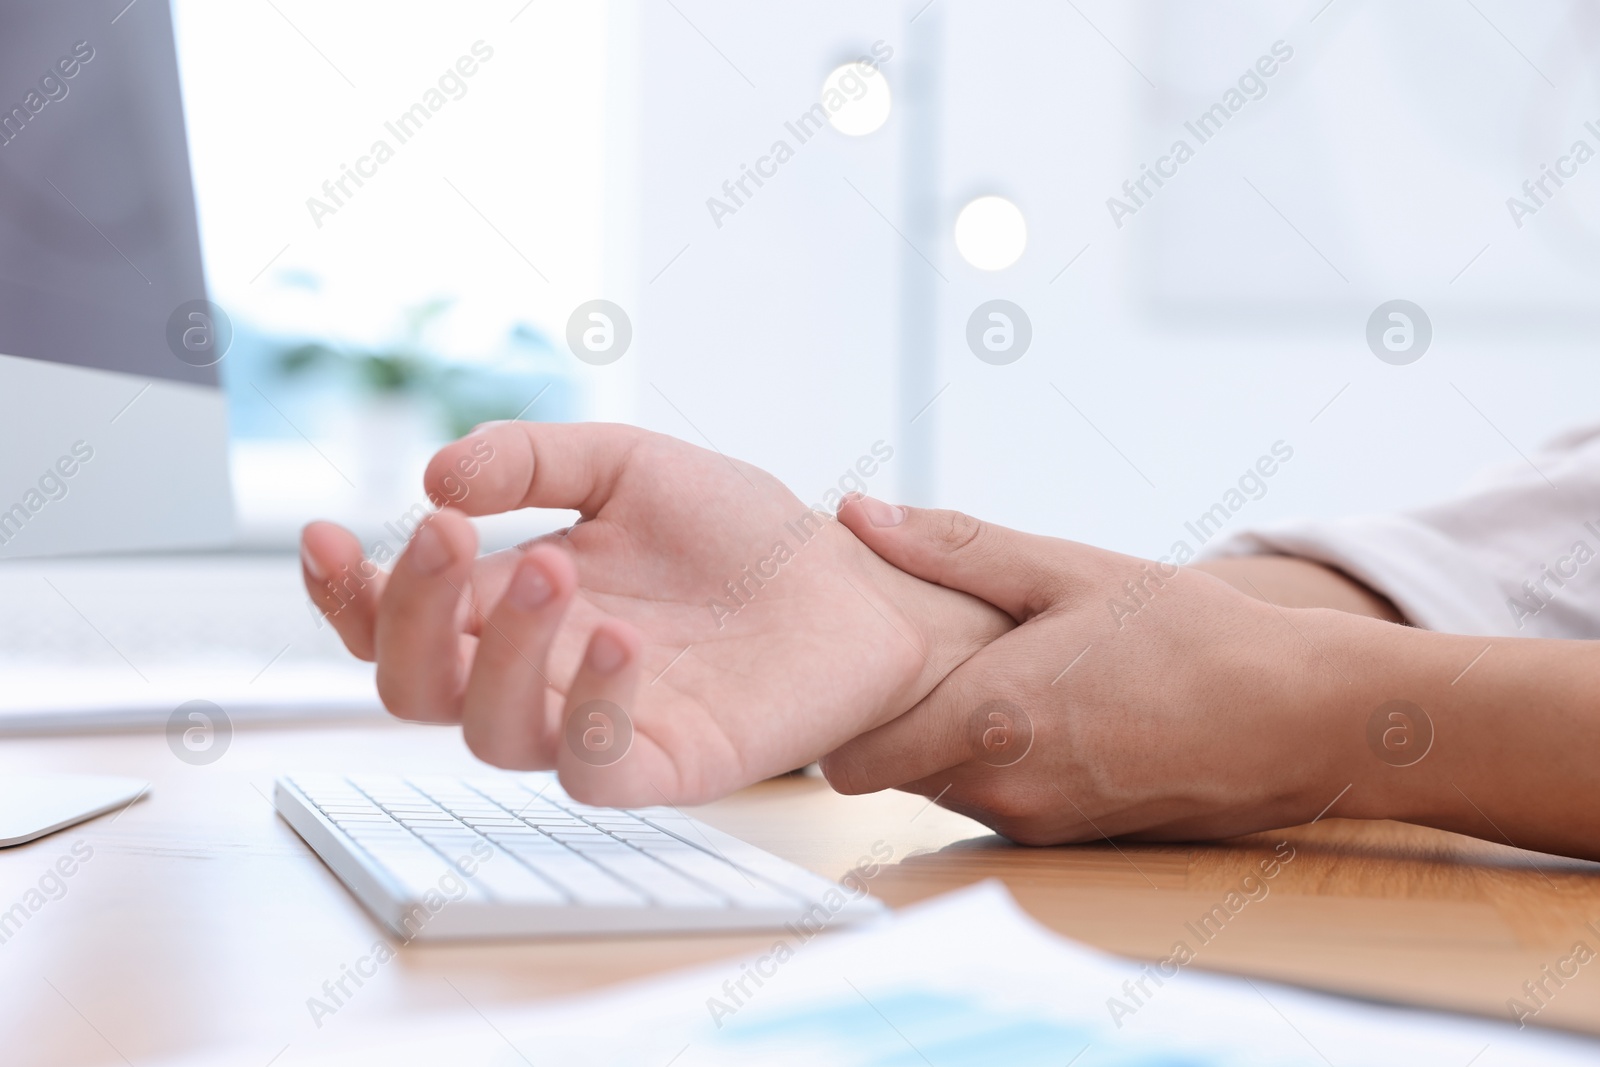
99 246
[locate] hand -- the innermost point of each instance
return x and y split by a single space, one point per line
1133 699
698 605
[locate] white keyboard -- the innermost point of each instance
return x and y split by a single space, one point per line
513 855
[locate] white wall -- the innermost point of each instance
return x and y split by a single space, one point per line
1192 338
772 336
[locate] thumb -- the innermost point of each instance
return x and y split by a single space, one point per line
1006 567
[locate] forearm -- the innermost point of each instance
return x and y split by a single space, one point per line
1291 582
1504 744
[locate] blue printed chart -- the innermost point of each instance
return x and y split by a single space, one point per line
914 1027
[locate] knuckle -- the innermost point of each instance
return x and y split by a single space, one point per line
1047 586
1030 831
958 531
357 642
1009 810
1003 804
846 775
480 741
605 791
395 696
406 697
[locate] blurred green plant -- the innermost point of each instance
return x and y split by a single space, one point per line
408 368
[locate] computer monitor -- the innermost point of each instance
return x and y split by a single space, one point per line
113 429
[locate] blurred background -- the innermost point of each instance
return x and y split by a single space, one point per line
1173 334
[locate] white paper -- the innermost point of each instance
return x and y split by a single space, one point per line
962 980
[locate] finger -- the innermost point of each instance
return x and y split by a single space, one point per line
508 465
1007 568
979 712
600 754
344 585
503 715
421 667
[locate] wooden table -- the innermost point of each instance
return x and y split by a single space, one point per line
202 920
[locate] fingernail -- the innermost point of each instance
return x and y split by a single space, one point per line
309 562
429 554
530 589
606 653
881 514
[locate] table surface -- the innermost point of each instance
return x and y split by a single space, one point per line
202 920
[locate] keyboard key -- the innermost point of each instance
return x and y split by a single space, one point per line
446 835
504 879
744 889
587 884
533 846
420 875
661 883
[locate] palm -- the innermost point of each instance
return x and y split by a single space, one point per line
771 634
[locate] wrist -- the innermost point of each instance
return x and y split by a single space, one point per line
1377 699
946 627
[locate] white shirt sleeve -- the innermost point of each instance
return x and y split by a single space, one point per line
1518 555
